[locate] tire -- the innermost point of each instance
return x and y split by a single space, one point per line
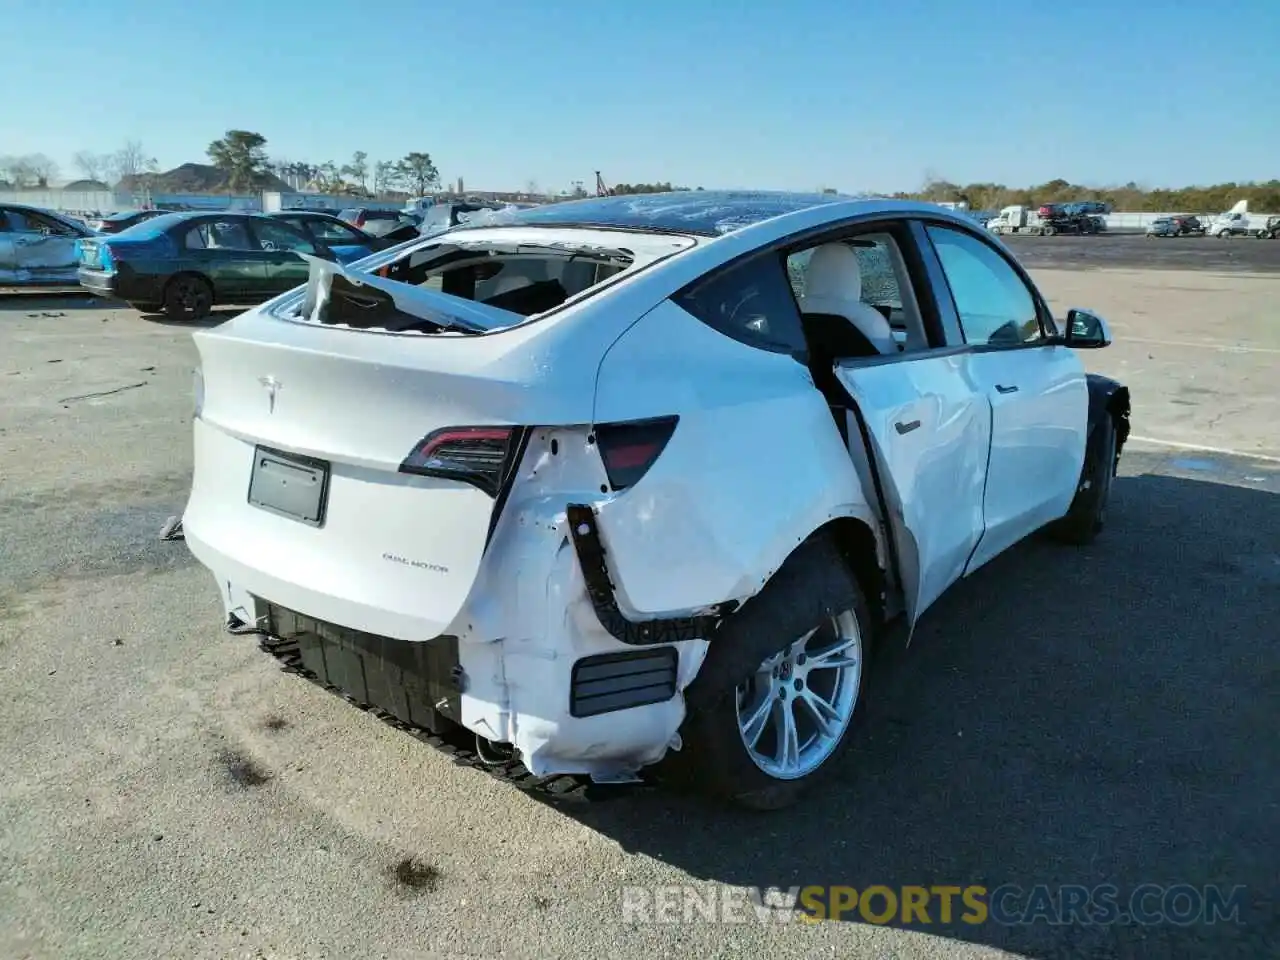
1088 513
1048 231
187 297
147 307
762 657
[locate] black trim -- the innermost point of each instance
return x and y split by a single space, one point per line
891 546
607 682
1104 395
584 530
515 454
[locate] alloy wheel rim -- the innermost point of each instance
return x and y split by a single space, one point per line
794 711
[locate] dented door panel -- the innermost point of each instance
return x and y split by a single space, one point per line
754 465
930 432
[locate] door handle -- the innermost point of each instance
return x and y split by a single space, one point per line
906 427
1011 388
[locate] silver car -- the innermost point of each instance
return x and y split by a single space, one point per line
1164 227
38 246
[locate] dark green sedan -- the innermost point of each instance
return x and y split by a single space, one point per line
182 264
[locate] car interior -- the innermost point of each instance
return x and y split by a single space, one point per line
856 299
526 283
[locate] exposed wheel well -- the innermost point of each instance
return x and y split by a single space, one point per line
857 545
1118 408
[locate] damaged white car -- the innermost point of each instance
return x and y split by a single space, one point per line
635 483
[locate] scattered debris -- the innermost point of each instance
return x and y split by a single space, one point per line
104 393
414 874
244 771
274 723
158 837
172 529
59 360
117 642
147 369
541 902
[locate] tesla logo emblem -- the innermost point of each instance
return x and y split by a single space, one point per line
273 386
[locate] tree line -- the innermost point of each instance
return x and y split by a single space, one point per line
1128 198
37 170
241 155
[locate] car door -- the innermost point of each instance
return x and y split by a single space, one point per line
8 261
44 248
923 427
281 245
1036 387
222 249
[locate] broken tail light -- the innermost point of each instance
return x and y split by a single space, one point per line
480 456
629 449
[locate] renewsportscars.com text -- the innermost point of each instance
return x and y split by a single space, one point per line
936 904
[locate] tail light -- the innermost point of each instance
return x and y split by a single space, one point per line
629 449
480 456
105 260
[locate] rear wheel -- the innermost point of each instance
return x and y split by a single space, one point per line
774 704
187 297
1049 231
1088 513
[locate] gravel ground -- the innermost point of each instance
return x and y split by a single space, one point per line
1083 716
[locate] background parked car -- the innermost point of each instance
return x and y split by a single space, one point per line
377 223
38 246
185 263
123 220
347 242
1189 226
1163 227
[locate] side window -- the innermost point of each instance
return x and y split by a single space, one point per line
330 232
197 238
994 304
220 235
28 221
278 238
751 302
4 221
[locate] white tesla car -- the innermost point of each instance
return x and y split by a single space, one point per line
635 482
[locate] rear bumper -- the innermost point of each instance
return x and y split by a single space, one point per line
122 285
525 661
575 703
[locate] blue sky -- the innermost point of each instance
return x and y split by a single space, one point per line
850 94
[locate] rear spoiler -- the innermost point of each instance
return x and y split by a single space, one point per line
338 296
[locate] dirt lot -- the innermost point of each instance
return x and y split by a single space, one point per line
1064 717
1134 250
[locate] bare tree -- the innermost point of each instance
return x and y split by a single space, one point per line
129 161
531 188
92 165
43 168
17 170
386 177
358 169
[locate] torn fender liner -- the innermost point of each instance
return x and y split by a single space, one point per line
586 542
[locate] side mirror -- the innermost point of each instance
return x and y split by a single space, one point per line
1086 330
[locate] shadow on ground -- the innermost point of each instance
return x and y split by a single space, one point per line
1067 716
40 300
218 316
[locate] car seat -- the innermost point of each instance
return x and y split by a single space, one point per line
837 322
